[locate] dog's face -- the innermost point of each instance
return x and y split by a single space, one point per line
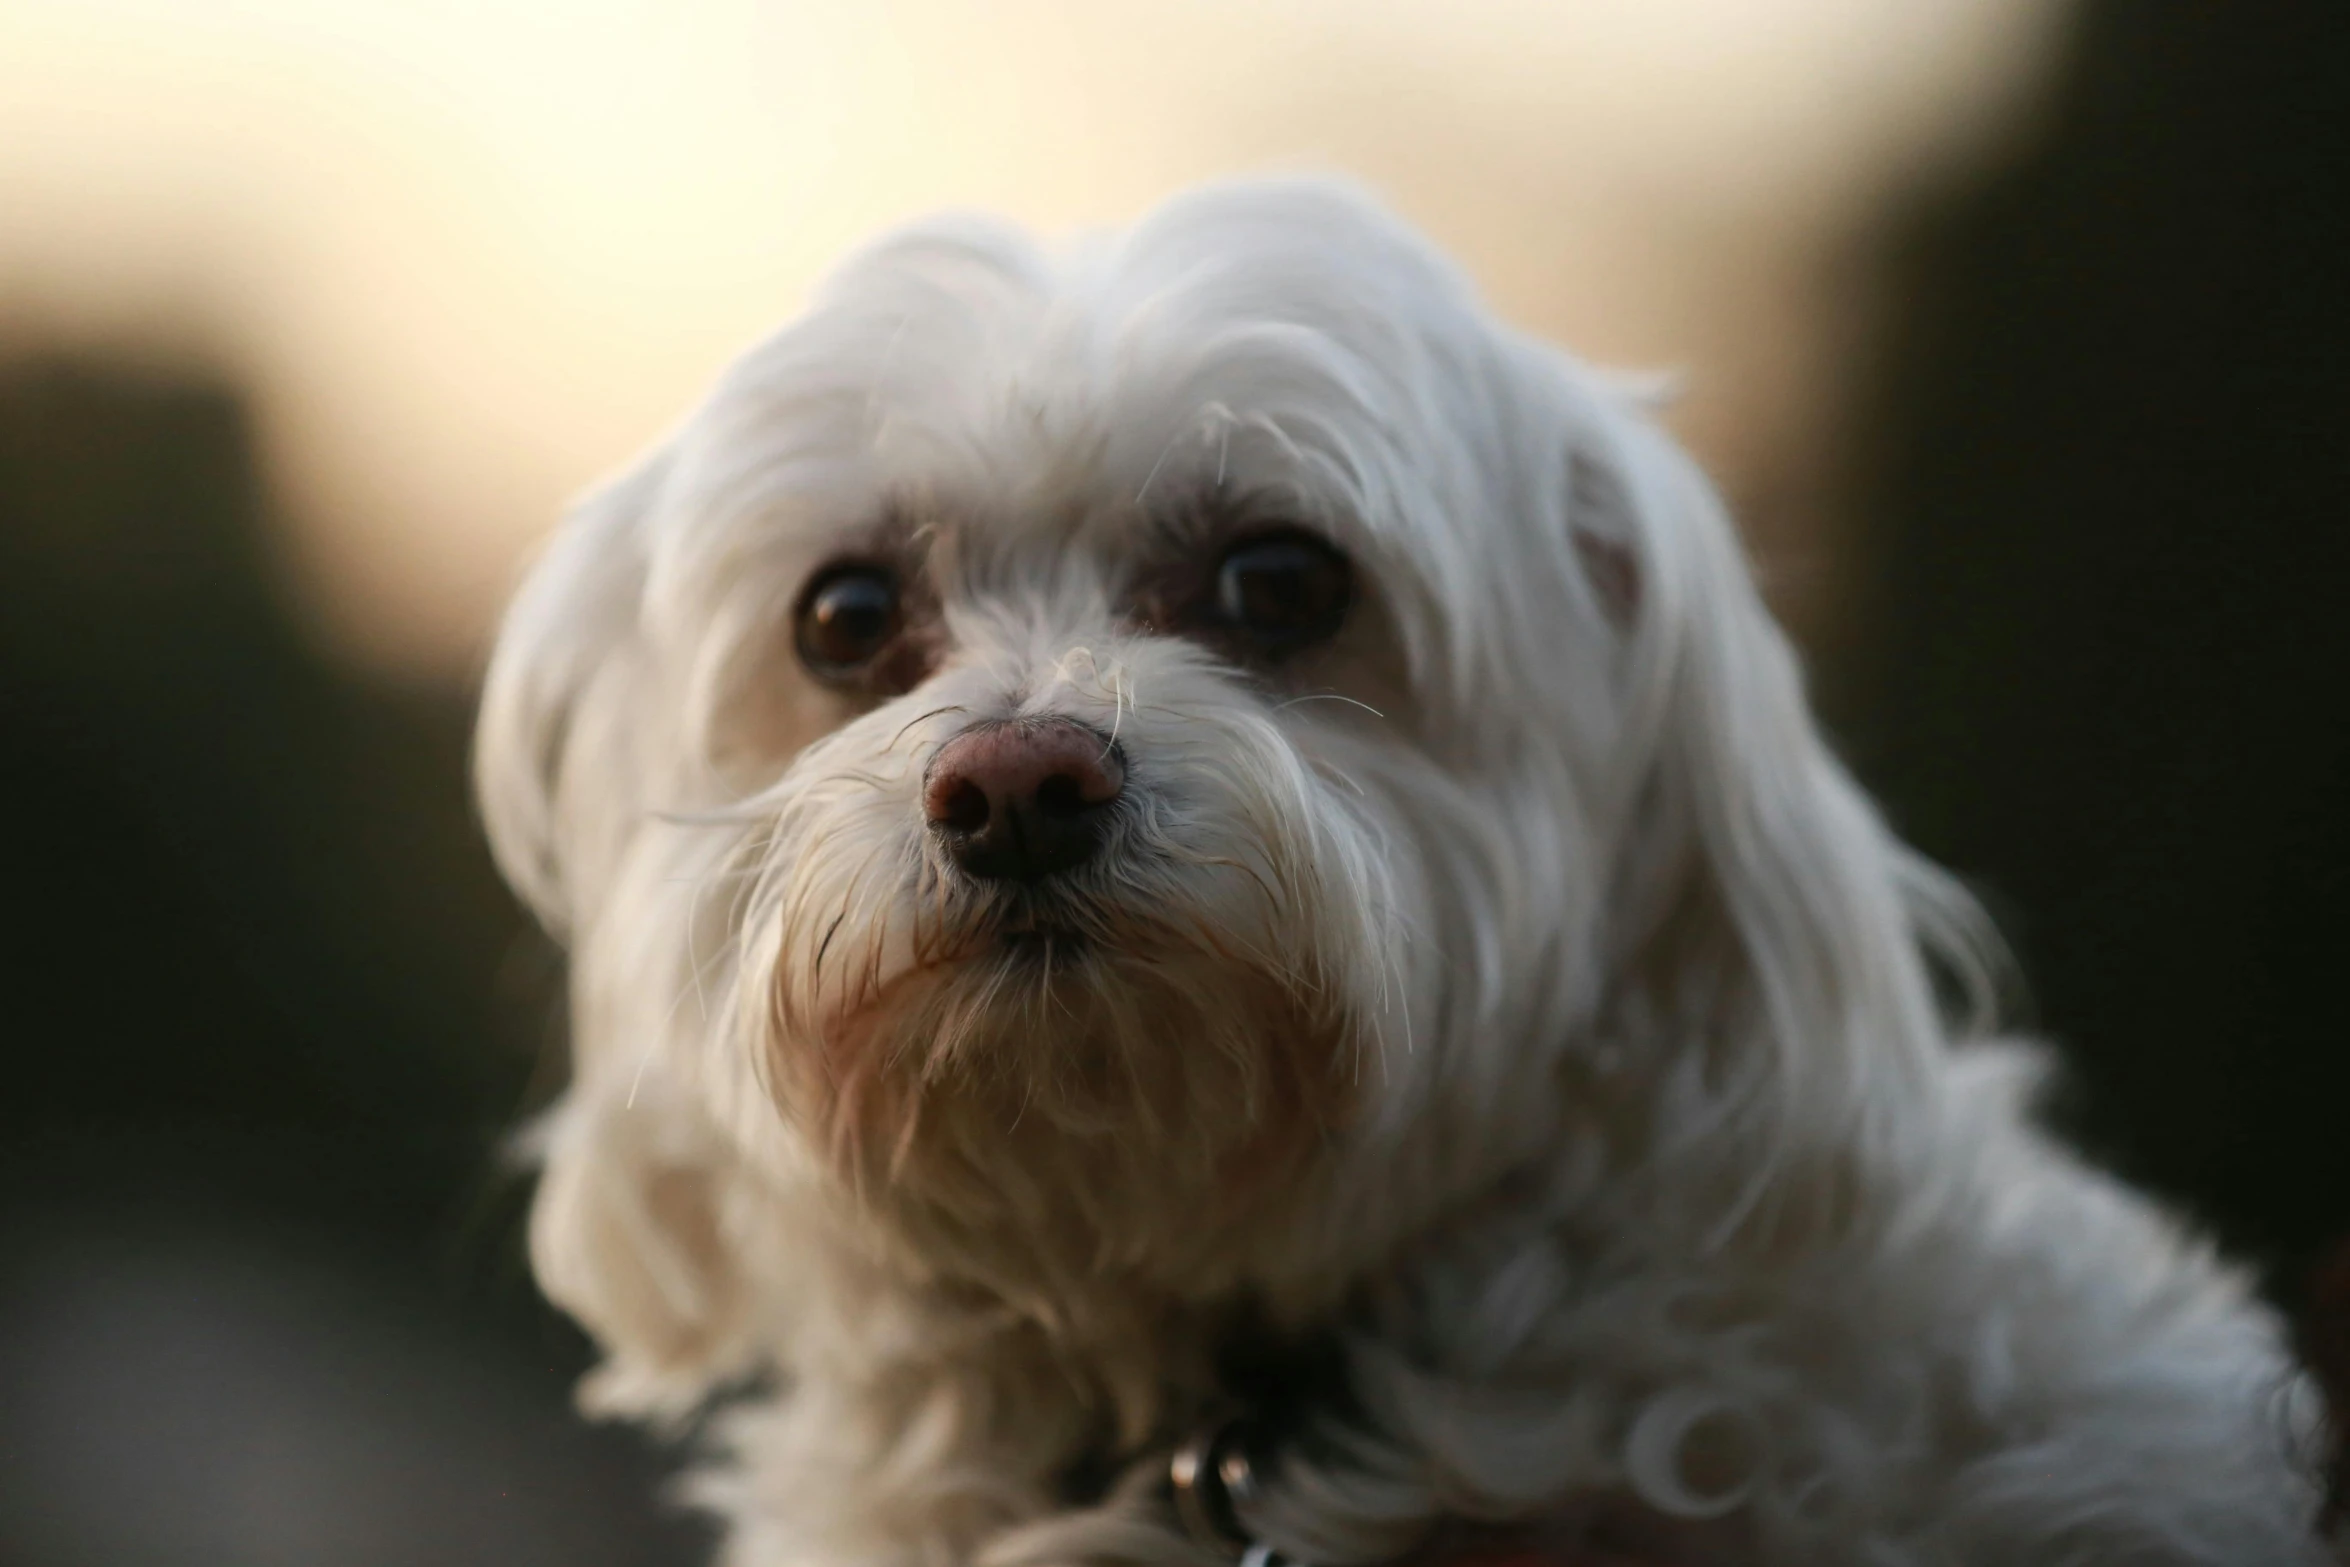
1146 765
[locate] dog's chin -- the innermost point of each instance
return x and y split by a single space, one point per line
1089 1094
1040 946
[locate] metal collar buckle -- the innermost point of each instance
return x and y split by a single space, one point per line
1213 1476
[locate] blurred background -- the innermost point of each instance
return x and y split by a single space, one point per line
2015 329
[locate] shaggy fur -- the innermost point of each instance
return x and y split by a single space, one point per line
1513 990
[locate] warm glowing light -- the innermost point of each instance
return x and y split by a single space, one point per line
473 255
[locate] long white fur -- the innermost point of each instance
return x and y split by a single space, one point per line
1636 1158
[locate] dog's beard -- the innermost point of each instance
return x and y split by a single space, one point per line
1061 1107
1121 1075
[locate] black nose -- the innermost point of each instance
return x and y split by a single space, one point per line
1024 798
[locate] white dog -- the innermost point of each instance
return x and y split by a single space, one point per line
1198 828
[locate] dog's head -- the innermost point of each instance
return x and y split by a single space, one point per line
1169 764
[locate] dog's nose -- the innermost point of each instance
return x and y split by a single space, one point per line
1023 798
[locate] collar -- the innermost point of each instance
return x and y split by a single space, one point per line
1280 1392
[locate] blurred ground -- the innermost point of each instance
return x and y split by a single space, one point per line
266 1015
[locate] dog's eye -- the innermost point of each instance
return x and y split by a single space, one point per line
1282 590
848 615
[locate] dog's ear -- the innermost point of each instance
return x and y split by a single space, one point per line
1769 913
627 1228
639 1196
551 762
